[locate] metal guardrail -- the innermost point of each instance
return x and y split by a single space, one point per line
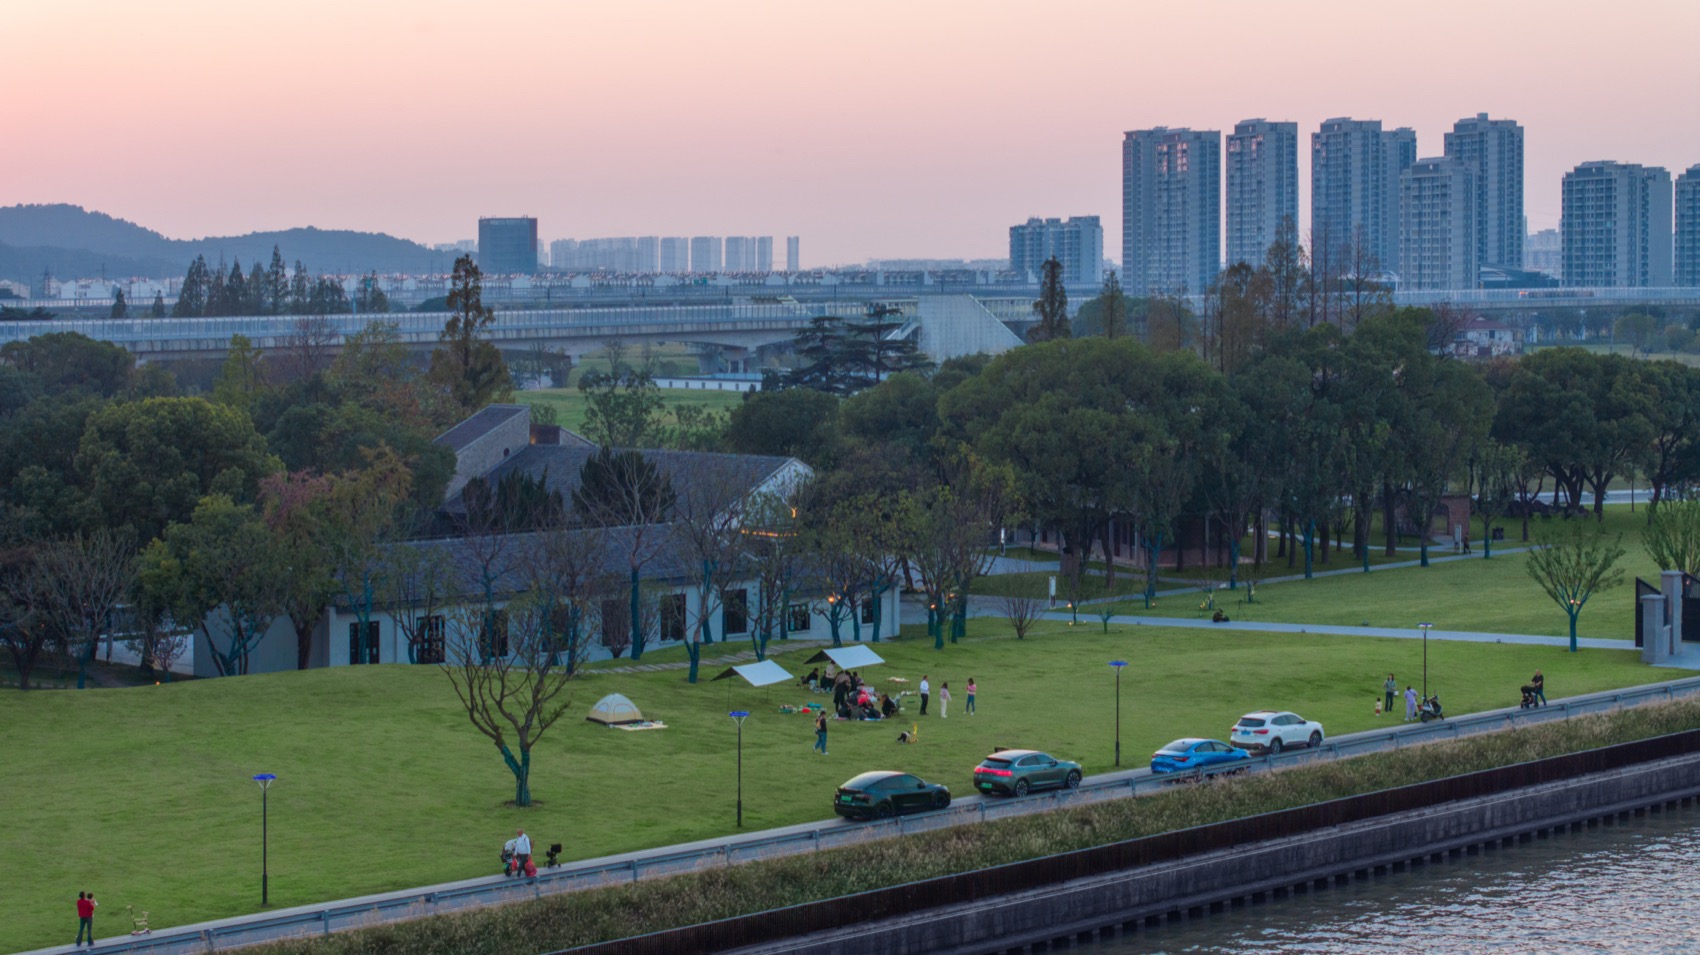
569 877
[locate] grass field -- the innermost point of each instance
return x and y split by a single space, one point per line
1494 595
143 795
570 404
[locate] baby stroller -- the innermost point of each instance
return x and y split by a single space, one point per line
1529 697
1430 709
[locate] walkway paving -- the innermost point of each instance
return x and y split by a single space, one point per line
774 649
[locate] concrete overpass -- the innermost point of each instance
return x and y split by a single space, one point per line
731 333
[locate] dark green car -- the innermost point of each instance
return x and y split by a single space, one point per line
885 794
1015 771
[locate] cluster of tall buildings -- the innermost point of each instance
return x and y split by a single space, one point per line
1077 243
1376 206
672 254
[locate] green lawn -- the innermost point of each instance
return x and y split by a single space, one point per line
570 405
143 794
1494 595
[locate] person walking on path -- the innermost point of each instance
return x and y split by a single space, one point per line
944 700
1540 684
926 693
1410 705
970 704
522 851
820 733
85 916
1390 688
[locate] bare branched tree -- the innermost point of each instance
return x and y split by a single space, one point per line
1022 609
307 347
80 582
707 520
505 668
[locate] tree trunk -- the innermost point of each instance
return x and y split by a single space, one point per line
694 651
1325 535
879 609
1109 559
521 769
637 620
1389 520
1310 533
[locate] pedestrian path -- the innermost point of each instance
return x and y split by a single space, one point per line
742 656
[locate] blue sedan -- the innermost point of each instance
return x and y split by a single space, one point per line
1186 755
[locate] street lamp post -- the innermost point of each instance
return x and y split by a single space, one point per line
1117 666
738 716
265 780
1425 628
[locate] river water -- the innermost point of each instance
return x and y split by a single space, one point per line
1633 887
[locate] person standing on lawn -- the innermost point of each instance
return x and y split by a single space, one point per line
85 916
944 700
1390 688
971 689
926 693
1410 705
820 733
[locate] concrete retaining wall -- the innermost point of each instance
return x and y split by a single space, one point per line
1054 916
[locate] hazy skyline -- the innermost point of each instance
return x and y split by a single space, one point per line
869 129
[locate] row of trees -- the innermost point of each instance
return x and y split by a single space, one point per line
277 290
227 510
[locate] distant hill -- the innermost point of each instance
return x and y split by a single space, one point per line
74 242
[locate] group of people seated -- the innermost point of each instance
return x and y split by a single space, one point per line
851 698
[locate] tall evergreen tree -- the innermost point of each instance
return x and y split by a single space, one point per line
197 288
277 285
254 291
158 310
235 290
215 292
300 291
1052 306
119 307
1112 306
467 364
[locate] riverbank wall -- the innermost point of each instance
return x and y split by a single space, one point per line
1047 904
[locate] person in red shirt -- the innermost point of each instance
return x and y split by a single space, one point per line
85 916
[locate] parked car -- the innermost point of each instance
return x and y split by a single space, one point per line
881 795
1186 755
1015 771
1274 730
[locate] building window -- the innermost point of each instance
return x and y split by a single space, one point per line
431 643
867 610
673 617
735 617
493 636
363 651
797 618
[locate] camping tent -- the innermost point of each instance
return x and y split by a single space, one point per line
615 710
759 674
847 658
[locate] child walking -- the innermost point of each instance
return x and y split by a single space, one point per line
944 700
971 688
820 733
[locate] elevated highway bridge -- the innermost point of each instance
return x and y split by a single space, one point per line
735 327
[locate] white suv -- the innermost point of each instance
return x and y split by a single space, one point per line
1272 731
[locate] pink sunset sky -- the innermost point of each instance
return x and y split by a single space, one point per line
873 128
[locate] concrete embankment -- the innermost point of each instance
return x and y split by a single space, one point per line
1043 904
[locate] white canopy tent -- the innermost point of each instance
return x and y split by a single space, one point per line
765 673
848 658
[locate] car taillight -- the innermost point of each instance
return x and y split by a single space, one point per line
994 772
1180 759
1260 732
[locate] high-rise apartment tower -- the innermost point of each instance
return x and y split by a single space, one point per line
1493 149
1616 226
1437 235
1263 187
1687 265
1171 210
